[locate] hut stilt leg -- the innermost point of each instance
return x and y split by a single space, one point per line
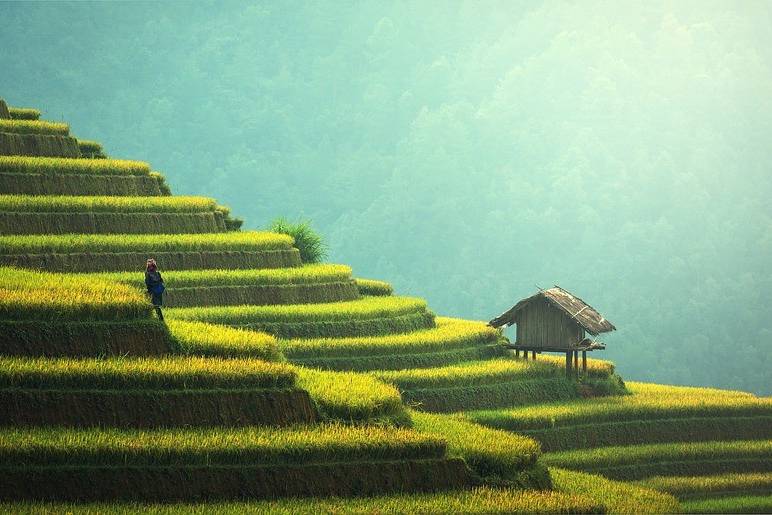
576 363
533 355
584 361
517 353
568 364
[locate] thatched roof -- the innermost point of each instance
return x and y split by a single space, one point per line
584 314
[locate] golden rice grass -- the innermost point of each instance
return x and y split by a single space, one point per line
450 333
105 204
647 401
34 127
24 113
307 274
215 446
149 243
201 339
30 295
157 373
363 309
72 166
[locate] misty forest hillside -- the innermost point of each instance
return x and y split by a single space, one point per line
617 149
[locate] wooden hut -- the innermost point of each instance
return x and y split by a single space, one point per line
555 320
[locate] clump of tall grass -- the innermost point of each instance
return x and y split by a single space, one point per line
312 247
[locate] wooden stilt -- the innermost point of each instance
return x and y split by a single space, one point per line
517 353
533 355
584 361
568 364
576 363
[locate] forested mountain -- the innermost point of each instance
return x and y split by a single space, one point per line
464 151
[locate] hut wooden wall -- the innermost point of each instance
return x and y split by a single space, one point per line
542 325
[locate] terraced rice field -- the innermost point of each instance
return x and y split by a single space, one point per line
652 413
112 243
310 284
274 379
24 113
173 372
105 204
573 493
633 462
262 462
30 295
34 127
71 166
202 339
367 316
451 341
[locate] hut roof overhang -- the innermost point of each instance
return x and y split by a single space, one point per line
574 307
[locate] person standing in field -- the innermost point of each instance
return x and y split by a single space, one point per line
155 286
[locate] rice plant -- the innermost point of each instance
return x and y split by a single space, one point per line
80 184
617 497
312 247
148 243
105 204
477 500
466 374
363 309
647 402
72 166
730 504
24 113
308 274
488 452
449 334
352 397
373 287
174 372
200 339
91 149
692 487
34 127
215 446
632 456
30 295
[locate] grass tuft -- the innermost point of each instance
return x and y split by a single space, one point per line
312 248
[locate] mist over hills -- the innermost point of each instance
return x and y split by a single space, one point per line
464 154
